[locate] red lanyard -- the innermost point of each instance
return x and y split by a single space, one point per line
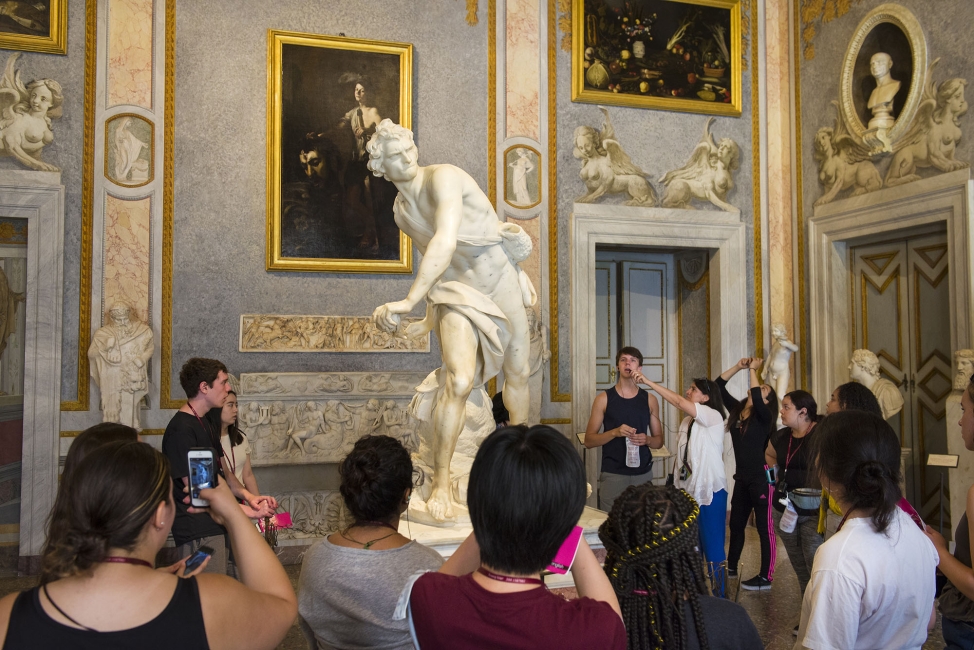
209 433
518 581
788 454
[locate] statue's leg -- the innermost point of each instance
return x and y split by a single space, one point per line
458 342
517 369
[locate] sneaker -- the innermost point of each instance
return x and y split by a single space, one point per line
794 632
731 573
757 583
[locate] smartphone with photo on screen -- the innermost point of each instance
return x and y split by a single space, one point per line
202 471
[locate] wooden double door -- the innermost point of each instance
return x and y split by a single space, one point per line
901 312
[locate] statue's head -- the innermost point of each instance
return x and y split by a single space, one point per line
950 95
44 95
864 364
277 408
880 64
729 153
588 143
120 312
963 368
392 152
778 331
823 143
390 404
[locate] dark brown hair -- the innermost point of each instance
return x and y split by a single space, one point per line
109 498
94 437
375 476
198 370
853 396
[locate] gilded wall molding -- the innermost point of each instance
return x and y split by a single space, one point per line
169 134
808 13
87 209
755 181
799 190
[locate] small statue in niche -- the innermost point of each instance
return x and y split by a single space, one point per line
843 163
881 98
776 368
118 354
707 176
607 169
932 138
864 370
25 116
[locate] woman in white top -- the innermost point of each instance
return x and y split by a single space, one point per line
872 583
236 447
700 465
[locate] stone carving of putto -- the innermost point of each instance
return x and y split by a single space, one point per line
25 116
707 176
843 163
607 169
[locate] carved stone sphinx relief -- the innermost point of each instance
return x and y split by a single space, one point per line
288 333
307 418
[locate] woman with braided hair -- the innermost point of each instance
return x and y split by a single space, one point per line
652 561
872 583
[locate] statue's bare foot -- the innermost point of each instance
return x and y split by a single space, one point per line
440 505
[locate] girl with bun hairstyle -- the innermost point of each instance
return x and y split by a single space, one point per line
351 580
872 583
98 585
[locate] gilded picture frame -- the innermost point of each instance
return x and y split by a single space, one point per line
40 26
326 211
672 55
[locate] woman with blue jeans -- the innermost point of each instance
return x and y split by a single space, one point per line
957 598
700 465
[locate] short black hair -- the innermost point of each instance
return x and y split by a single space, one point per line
859 451
631 351
196 371
375 477
525 494
710 388
854 396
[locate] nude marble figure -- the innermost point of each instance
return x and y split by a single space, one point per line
776 369
475 292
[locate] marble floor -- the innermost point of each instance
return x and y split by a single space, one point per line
774 612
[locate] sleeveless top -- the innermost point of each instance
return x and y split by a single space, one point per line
634 412
953 604
179 625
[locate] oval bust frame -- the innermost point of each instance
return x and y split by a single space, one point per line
904 19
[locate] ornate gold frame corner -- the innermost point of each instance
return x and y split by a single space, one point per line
540 185
275 261
904 19
56 42
590 96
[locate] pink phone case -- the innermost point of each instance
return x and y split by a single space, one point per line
565 556
281 520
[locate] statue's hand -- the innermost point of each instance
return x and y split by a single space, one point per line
387 316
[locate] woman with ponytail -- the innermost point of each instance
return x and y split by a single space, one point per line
350 580
699 465
98 585
872 583
654 566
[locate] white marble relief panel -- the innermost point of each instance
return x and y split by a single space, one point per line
309 418
313 514
290 333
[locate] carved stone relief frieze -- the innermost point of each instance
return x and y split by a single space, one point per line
290 333
313 514
308 418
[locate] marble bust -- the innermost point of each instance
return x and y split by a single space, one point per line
864 370
881 99
118 354
474 290
963 368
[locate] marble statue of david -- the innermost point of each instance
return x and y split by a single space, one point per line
474 290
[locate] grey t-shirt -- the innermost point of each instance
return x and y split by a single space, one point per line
346 596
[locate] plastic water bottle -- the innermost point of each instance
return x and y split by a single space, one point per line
632 454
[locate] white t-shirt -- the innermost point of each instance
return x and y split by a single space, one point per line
705 456
236 456
870 590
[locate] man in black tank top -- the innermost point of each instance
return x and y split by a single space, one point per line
629 419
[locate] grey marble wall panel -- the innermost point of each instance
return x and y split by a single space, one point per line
219 221
657 141
947 27
65 152
694 350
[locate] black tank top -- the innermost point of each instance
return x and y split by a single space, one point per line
635 413
179 625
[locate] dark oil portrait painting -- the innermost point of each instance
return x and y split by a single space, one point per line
332 208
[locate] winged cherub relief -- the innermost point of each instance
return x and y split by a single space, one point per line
25 116
932 138
843 163
707 176
607 169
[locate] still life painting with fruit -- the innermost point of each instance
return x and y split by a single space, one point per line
683 56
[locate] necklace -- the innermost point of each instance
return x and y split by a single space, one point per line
367 545
117 559
518 581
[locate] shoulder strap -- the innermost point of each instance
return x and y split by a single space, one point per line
687 447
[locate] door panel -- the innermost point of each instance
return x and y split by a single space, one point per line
606 334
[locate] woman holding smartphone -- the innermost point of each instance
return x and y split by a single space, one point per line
98 587
700 465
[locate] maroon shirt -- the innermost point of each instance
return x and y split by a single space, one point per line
452 613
